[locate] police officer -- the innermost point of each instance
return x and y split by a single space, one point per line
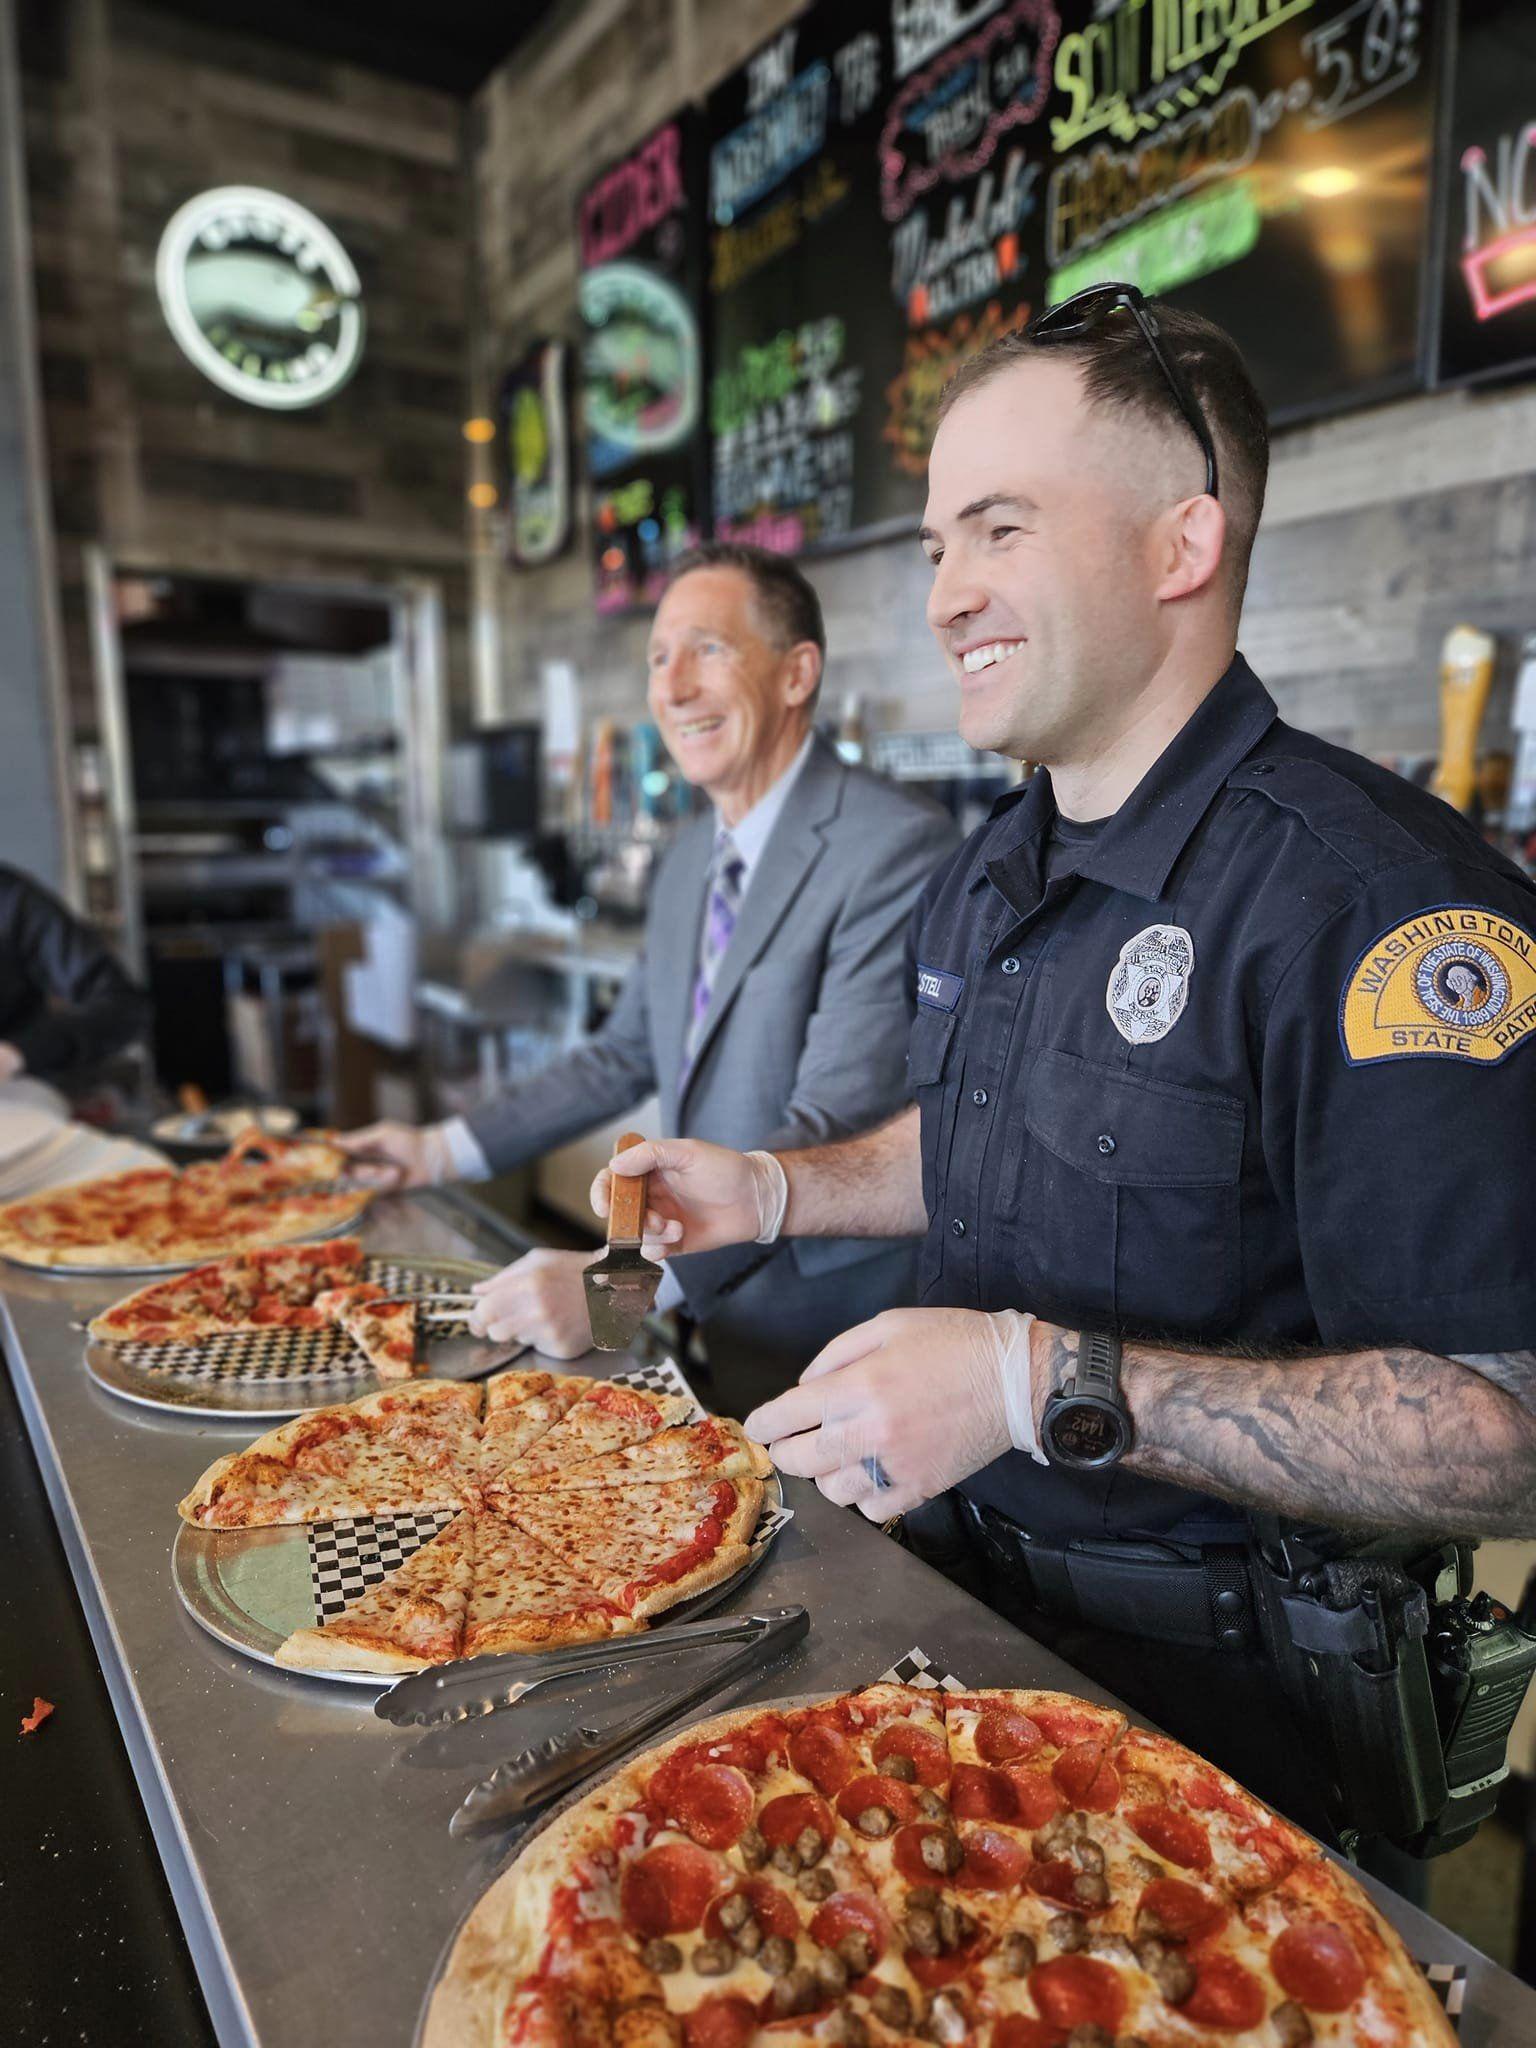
1224 1114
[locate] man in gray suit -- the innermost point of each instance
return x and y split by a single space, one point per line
770 1007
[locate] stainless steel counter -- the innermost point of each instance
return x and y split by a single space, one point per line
306 1842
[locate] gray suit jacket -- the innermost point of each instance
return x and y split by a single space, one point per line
806 1037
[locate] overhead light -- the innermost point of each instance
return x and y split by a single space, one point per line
1328 181
480 430
482 496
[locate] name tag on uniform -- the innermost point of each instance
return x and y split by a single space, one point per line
937 990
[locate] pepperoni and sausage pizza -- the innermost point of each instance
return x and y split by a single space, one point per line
262 1192
289 1288
1009 1869
522 1565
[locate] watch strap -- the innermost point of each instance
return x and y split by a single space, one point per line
1098 1365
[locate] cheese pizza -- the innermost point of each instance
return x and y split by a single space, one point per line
522 1566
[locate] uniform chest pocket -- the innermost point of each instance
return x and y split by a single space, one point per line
932 1089
1132 1183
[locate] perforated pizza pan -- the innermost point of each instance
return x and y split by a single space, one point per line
70 1272
251 1588
274 1373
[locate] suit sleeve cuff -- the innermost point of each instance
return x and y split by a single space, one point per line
469 1162
669 1294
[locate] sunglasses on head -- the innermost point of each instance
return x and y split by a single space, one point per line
1087 311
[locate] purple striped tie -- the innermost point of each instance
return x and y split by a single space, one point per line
719 923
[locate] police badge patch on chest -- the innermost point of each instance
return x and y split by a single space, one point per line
1150 983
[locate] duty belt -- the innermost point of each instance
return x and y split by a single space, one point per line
1200 1597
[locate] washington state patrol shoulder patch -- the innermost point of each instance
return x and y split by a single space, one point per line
1453 983
1149 984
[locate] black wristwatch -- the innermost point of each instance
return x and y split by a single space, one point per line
1086 1425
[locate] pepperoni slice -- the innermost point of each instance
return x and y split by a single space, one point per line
1173 1835
720 2023
852 1913
712 1803
1182 1910
1036 1796
1077 1991
666 1890
1317 1964
926 1747
1018 2030
773 1910
1225 1995
1065 1725
1055 1880
1087 1778
823 1754
860 1794
993 1862
976 1792
933 1971
784 1818
907 1852
1003 1735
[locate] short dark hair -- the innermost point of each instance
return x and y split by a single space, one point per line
786 599
1121 374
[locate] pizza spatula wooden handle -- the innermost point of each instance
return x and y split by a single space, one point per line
626 1199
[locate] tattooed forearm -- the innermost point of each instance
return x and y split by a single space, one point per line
1391 1439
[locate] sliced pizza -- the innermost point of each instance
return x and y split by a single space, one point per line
413 1619
647 1547
606 1418
524 1597
328 1465
715 1448
281 1288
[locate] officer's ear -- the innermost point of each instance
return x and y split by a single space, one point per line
802 672
1191 541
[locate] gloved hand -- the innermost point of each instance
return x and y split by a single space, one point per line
903 1406
701 1196
11 1061
539 1300
391 1155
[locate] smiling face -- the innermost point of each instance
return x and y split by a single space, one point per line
733 708
1047 534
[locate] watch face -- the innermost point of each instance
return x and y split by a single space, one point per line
1087 1433
261 296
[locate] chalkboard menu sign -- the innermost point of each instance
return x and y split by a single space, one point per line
1485 276
639 293
893 182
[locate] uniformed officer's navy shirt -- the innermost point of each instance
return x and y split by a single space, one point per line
1249 1070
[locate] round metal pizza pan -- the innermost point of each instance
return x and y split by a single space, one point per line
70 1272
460 1357
250 1588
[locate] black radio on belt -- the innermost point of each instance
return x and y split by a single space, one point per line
1411 1681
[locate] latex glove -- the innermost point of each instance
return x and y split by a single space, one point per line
11 1061
539 1300
701 1196
391 1155
917 1397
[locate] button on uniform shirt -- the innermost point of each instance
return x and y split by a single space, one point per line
1247 1064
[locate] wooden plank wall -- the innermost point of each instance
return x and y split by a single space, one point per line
129 113
1384 528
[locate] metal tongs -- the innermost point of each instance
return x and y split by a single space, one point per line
474 1686
547 1769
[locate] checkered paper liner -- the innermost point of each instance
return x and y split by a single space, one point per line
918 1669
257 1357
346 1558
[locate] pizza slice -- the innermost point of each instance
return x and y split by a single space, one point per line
715 1448
1191 1821
647 1547
413 1619
328 1465
606 1418
520 1409
524 1597
384 1328
434 1422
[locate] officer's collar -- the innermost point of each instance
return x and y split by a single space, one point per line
1138 846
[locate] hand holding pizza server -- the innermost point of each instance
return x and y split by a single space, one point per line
1196 1009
